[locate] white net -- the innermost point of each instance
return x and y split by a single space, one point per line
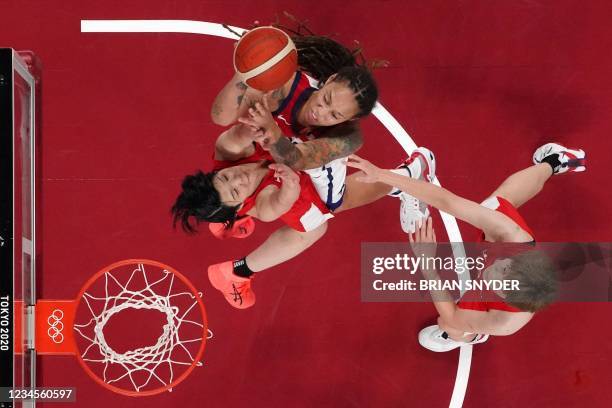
172 353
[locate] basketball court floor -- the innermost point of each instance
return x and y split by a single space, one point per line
125 115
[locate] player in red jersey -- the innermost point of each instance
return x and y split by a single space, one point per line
310 129
245 187
471 320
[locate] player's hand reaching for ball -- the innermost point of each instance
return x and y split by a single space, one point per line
260 119
285 173
290 187
370 173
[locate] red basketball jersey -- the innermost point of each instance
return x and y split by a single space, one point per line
471 299
307 213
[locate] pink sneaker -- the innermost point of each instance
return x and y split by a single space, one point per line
242 228
236 289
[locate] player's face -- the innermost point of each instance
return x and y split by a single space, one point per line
334 103
236 184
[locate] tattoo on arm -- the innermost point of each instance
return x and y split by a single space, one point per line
315 153
242 88
337 142
286 152
216 108
223 111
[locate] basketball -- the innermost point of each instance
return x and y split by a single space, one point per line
265 58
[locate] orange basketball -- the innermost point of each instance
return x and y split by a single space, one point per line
265 58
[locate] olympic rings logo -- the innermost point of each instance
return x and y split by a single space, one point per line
56 326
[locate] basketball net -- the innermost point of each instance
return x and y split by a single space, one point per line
136 285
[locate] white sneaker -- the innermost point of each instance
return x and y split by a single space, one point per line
415 169
412 210
435 339
566 160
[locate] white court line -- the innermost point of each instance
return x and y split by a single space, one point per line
158 26
379 111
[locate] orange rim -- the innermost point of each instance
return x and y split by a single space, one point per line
196 359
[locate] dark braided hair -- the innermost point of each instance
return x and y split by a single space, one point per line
200 201
321 57
363 86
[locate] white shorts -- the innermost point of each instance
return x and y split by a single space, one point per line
329 181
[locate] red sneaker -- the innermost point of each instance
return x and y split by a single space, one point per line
237 290
242 228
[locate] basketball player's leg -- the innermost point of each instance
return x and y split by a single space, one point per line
523 185
233 278
282 245
549 159
419 166
358 194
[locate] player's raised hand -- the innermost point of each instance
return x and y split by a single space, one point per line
423 240
285 173
260 118
371 173
258 114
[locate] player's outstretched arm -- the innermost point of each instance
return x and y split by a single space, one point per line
233 101
315 153
496 225
273 202
235 143
339 141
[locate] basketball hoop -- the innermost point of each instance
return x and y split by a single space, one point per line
138 286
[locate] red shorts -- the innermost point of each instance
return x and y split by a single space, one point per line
504 206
